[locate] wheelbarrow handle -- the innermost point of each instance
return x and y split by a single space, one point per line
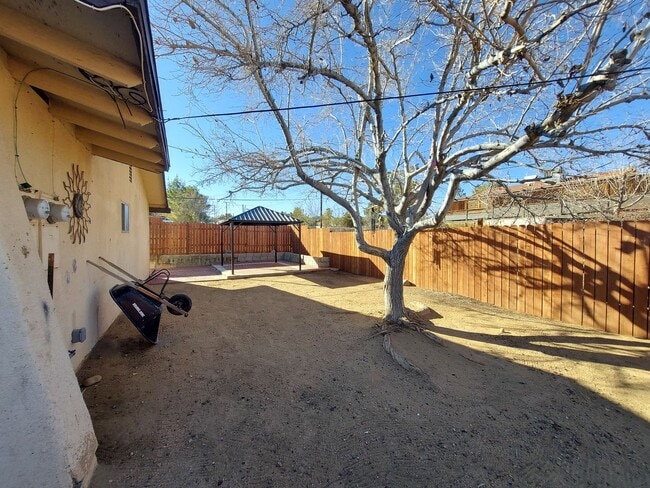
109 272
139 281
139 287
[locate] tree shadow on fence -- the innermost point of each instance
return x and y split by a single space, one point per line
360 265
590 274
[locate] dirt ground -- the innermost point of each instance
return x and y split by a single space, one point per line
283 382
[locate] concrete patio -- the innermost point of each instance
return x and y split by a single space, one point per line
188 274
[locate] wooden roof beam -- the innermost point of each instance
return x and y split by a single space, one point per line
127 159
82 118
78 92
62 46
102 140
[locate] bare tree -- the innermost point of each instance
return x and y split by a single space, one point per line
501 85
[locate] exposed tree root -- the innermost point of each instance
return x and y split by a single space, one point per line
432 337
399 359
412 322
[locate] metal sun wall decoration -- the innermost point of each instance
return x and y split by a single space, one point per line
77 199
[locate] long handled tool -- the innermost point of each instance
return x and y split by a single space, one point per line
141 304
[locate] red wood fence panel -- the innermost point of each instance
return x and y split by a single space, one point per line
199 238
592 274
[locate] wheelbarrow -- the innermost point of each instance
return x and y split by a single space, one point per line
142 305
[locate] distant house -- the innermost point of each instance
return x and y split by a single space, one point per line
614 195
82 161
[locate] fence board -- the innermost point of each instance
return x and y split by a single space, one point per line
436 246
455 257
537 275
521 270
528 270
556 266
466 259
627 278
512 263
546 233
445 261
589 275
483 268
613 277
428 266
641 287
463 261
498 268
449 252
488 264
577 266
600 279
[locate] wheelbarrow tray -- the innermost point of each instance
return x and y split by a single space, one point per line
142 305
144 312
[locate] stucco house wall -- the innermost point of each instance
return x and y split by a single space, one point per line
40 403
80 115
46 431
48 150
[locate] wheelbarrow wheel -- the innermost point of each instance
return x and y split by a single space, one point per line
181 301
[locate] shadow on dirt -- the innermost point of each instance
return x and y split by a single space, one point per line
601 350
263 386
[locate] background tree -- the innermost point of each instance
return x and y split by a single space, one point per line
508 85
345 220
187 203
329 220
299 213
373 218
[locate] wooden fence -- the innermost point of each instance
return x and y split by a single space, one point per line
196 238
590 274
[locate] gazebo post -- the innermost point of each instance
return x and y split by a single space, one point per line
222 229
300 243
259 216
275 242
232 248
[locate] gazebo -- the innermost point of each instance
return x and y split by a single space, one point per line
258 216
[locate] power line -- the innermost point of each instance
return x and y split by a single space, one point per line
230 199
530 84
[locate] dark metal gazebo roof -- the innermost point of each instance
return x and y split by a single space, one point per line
258 216
262 216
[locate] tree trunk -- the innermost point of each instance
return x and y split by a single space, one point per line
393 281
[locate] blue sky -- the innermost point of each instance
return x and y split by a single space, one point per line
182 143
186 165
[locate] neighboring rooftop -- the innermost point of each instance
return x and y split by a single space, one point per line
612 195
93 63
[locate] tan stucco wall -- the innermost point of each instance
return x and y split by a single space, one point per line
45 430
